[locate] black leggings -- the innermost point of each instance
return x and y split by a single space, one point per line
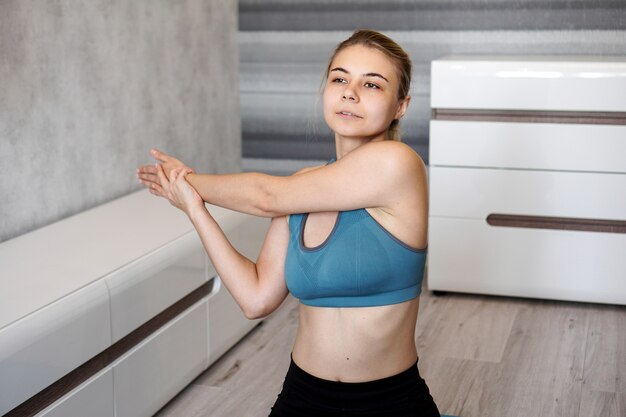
404 394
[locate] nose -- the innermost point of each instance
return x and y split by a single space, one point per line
350 95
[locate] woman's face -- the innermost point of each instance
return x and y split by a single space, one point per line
361 93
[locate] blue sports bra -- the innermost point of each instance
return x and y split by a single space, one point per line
360 264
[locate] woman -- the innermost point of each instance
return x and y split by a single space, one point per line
347 238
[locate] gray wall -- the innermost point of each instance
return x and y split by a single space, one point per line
285 45
88 86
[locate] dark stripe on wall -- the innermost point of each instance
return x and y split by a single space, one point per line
432 15
557 223
64 385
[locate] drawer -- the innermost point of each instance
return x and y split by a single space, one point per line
476 193
47 344
144 288
227 323
468 255
153 372
595 84
93 398
539 146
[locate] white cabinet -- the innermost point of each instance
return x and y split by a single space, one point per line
150 374
118 315
528 177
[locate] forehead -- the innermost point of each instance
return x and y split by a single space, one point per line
359 59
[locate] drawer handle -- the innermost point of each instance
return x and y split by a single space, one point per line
557 223
530 116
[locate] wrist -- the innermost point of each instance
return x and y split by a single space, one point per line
196 211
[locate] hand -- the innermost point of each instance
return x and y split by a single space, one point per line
147 174
177 190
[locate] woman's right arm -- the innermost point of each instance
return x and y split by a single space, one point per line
259 288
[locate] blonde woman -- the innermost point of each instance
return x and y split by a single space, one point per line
347 238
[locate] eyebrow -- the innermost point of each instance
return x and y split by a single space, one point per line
369 74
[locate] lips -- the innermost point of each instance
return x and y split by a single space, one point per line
348 114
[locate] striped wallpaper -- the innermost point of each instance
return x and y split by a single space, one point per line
285 44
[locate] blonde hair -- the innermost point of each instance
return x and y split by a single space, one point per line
397 55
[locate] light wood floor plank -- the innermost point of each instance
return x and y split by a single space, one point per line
254 388
602 404
605 362
542 366
194 401
540 372
450 326
461 387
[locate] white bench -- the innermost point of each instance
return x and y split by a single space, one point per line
113 311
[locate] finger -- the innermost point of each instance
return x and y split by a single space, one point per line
176 171
176 174
157 190
173 176
161 175
148 177
179 173
158 155
153 186
147 169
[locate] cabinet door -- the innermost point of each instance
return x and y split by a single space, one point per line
153 372
476 193
141 290
47 344
93 398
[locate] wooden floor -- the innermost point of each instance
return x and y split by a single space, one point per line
481 356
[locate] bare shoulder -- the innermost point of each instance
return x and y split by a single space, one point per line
393 156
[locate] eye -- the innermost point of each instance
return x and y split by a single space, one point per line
371 85
339 80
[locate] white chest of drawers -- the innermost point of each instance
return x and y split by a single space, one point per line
528 177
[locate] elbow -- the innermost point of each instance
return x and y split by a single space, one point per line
253 315
260 307
255 312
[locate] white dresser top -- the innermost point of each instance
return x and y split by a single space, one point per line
548 83
47 264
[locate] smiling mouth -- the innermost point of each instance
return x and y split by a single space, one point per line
348 114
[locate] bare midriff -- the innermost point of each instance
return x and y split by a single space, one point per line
356 344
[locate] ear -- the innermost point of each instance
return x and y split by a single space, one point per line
402 106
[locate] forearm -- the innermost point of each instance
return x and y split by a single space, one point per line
237 272
244 192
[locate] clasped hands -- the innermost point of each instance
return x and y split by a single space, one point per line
167 178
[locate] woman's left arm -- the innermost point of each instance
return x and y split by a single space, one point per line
373 175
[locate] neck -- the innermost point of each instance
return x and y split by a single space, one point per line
344 145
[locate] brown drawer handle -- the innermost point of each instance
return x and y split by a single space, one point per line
530 116
557 223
